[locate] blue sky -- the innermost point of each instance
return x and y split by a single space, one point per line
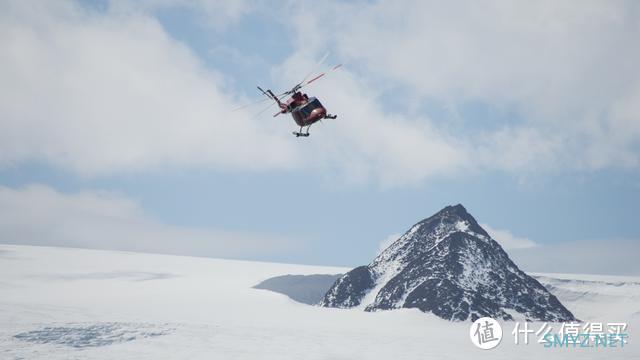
116 108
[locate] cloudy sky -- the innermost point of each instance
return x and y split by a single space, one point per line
118 129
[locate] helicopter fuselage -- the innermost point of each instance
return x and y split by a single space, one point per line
308 112
304 110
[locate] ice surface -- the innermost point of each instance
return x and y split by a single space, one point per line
58 303
90 335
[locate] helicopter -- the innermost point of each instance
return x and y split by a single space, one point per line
305 110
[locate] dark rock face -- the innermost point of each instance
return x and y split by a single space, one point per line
449 266
349 289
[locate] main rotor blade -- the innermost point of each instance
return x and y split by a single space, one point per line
280 97
317 67
322 74
265 109
250 104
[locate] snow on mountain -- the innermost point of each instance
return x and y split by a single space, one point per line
449 266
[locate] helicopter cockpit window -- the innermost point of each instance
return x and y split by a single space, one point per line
313 103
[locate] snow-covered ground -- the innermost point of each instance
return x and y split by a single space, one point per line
60 303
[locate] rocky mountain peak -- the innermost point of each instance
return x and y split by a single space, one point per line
448 265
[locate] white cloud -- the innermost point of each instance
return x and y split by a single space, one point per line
106 93
40 215
567 71
507 240
216 15
609 256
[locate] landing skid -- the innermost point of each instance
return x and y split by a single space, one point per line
306 134
300 133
